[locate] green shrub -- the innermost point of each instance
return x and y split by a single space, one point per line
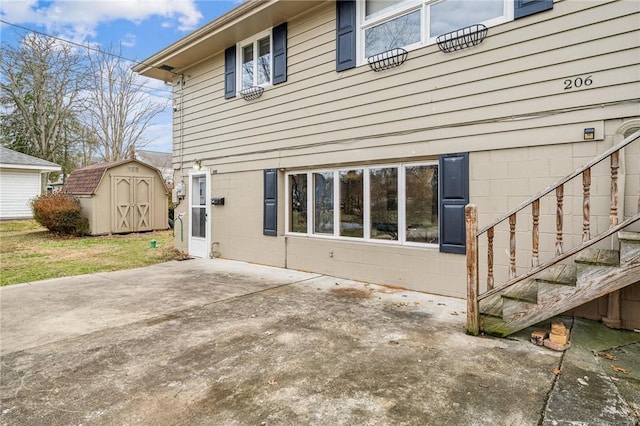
60 212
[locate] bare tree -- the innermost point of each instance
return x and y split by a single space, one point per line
119 109
41 84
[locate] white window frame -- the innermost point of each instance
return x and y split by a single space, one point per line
408 7
239 54
401 167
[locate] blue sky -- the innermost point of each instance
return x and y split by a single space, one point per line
141 27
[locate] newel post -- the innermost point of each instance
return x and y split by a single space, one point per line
471 221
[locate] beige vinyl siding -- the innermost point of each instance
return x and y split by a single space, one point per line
503 101
518 70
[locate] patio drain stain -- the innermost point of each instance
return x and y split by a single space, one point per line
351 293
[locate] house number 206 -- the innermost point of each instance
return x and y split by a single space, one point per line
572 83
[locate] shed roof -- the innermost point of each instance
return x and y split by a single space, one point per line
85 181
17 160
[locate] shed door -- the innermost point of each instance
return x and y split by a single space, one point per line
133 204
123 203
142 199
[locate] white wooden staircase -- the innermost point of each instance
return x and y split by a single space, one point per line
569 279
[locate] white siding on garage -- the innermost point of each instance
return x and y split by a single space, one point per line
17 188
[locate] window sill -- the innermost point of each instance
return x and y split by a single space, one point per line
374 242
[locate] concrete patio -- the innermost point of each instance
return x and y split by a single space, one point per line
228 343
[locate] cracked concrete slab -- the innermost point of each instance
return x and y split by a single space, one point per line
226 343
589 391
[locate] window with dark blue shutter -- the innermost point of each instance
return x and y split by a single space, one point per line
270 222
230 72
524 8
345 34
279 35
454 196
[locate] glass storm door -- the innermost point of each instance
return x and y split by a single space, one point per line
199 212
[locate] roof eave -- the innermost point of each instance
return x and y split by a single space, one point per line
228 29
31 167
150 67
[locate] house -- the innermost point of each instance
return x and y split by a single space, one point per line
120 197
346 137
20 180
160 160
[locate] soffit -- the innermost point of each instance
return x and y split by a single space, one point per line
244 21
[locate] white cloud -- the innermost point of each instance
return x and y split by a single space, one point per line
78 19
128 40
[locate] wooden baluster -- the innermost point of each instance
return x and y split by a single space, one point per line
490 258
613 306
535 235
559 201
512 246
586 204
613 217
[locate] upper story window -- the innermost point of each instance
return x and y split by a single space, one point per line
387 24
255 63
258 61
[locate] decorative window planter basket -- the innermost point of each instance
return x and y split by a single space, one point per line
462 38
252 92
389 59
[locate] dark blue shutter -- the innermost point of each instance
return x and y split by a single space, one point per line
345 34
524 8
454 196
279 35
270 224
230 72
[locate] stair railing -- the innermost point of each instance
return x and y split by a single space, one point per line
473 235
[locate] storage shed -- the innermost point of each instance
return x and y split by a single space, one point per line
120 197
20 181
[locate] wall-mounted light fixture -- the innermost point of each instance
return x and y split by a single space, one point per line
197 165
589 133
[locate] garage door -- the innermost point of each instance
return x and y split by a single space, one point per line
17 188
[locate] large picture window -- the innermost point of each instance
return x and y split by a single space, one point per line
421 204
396 204
383 194
387 24
351 203
323 203
298 202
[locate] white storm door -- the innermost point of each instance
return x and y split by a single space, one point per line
199 214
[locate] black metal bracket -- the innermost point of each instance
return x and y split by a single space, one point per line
252 92
389 59
462 38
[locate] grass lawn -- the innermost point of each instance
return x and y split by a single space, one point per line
29 252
